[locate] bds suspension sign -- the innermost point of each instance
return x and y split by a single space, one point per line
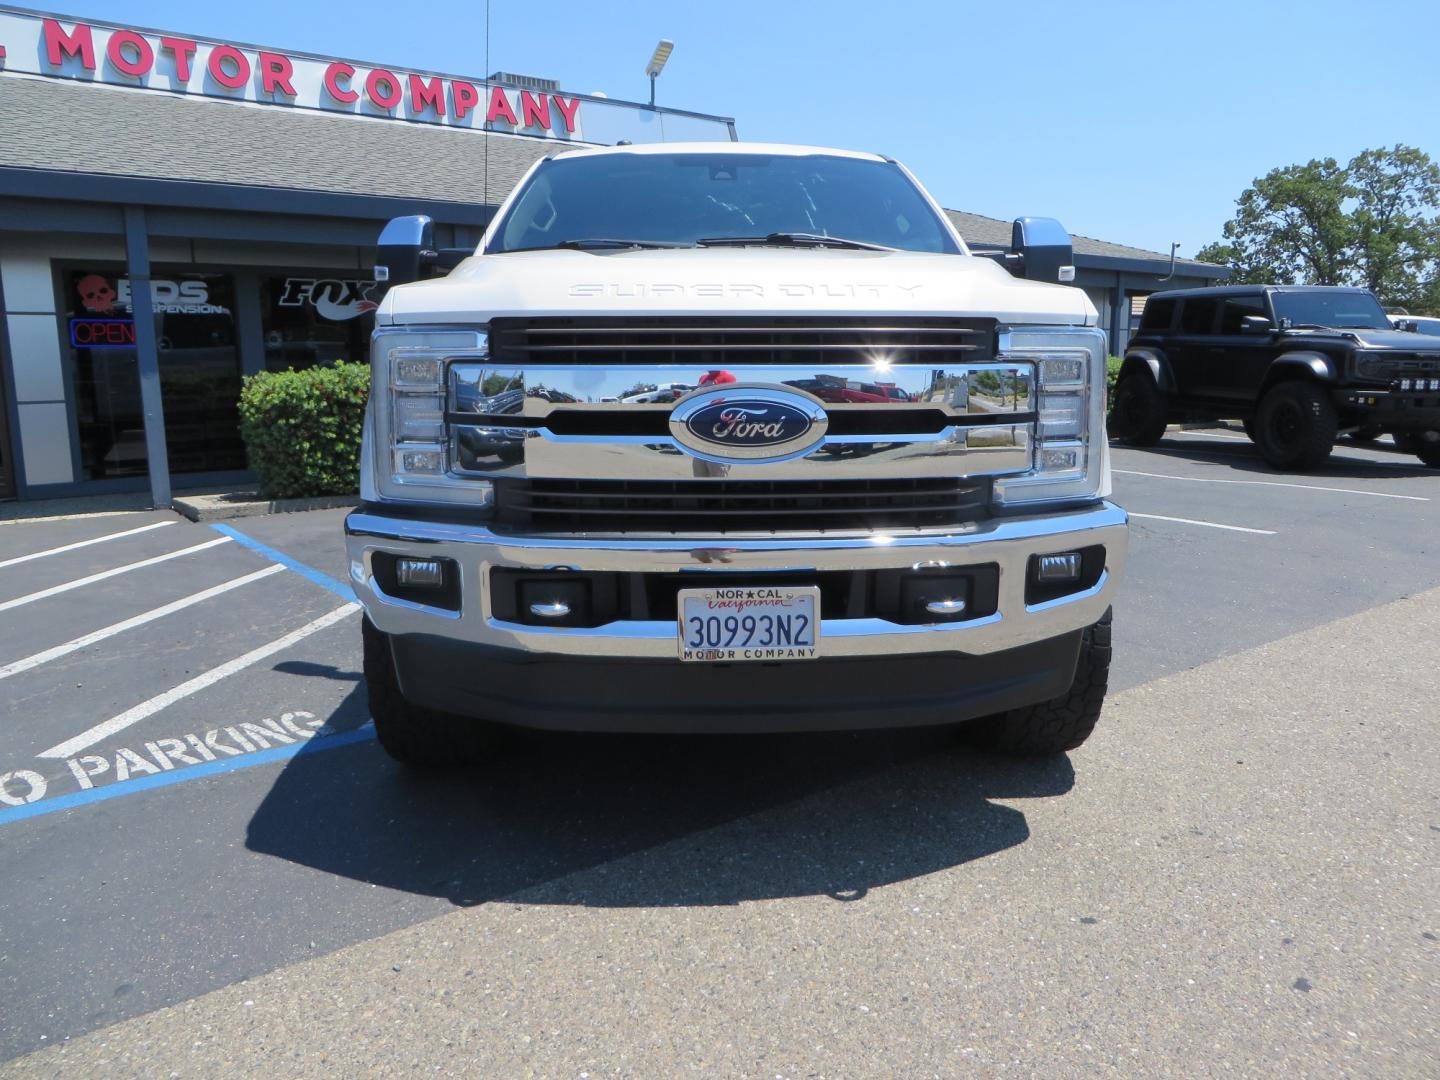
36 44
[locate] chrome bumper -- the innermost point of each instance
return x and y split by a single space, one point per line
1008 542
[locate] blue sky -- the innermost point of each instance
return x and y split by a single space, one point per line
1133 122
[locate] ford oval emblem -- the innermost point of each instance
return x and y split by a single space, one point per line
755 423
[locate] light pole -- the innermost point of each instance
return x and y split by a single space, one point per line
657 64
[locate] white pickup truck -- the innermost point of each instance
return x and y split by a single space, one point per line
770 551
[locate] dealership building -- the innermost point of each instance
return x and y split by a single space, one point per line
235 192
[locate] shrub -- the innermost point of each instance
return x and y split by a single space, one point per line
1112 373
302 429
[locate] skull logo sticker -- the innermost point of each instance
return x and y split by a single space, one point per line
96 293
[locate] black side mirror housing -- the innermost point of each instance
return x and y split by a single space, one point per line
1045 249
1256 324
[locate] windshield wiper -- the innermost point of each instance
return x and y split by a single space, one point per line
595 243
790 239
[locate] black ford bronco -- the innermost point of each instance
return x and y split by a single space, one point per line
1300 365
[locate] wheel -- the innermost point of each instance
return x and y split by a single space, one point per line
1296 426
411 735
1406 442
1249 426
1428 451
1052 727
1137 412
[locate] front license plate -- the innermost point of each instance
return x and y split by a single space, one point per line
773 622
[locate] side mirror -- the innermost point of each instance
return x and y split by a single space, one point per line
1045 249
1256 324
406 246
1409 326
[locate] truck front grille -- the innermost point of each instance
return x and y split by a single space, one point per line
709 341
726 506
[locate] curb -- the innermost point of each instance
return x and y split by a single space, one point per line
238 504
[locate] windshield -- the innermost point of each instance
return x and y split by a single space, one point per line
682 198
1339 308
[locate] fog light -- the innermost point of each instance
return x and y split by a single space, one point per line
420 573
1059 568
424 459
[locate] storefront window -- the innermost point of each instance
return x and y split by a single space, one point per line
314 319
199 371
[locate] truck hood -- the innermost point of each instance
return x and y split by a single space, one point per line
1399 340
737 281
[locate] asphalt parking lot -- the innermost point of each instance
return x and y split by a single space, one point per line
207 866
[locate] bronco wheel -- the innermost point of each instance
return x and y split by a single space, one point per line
1052 727
1428 451
1137 413
414 736
1296 426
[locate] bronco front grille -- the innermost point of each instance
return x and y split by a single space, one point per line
730 340
726 506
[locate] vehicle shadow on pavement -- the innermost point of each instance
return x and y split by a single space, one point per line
654 821
1245 458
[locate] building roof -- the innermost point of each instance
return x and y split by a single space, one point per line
67 125
987 232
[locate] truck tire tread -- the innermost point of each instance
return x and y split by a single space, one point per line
1315 438
1138 413
1061 724
415 736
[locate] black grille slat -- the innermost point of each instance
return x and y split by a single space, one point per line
736 505
709 341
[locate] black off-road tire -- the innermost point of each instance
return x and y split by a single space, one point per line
1296 425
1428 452
1137 410
1055 726
422 738
1406 442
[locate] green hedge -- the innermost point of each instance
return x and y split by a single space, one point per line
302 429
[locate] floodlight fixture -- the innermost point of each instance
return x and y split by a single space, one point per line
657 64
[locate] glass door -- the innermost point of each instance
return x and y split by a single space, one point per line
199 371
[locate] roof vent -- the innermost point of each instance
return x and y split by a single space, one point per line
526 82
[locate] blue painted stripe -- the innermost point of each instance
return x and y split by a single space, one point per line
325 581
314 745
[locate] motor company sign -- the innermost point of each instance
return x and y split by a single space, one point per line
37 44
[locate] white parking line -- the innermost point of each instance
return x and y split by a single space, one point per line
129 624
80 583
1272 483
161 701
1206 524
83 543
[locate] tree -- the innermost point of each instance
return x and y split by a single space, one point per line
1397 244
1372 223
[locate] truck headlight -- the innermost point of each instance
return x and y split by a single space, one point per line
407 399
1070 414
